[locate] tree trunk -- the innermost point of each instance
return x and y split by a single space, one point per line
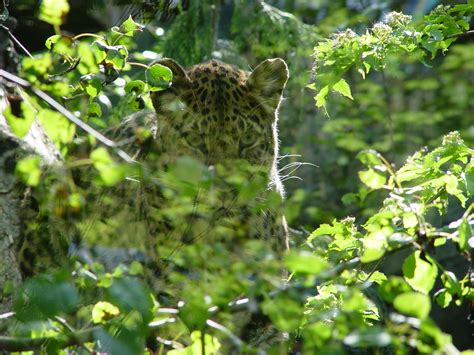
12 193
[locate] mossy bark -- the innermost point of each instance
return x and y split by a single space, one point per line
12 195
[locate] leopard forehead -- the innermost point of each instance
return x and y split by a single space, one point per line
217 92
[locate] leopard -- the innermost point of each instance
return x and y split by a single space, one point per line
215 112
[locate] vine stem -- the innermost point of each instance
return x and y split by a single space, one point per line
139 65
81 35
390 170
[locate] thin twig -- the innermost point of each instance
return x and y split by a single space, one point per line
17 42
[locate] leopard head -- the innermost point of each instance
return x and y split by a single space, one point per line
215 111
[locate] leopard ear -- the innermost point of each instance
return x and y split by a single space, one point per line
179 74
269 79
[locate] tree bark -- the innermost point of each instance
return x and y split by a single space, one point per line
12 193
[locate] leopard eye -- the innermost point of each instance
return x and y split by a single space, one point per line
193 139
249 138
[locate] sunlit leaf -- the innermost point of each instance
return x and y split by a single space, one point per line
92 85
54 11
130 27
375 245
321 97
28 170
211 345
94 110
392 287
420 274
20 126
103 311
136 86
304 263
60 44
372 178
110 172
443 298
58 128
158 77
413 304
343 88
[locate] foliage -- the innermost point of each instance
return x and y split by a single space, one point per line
335 56
336 297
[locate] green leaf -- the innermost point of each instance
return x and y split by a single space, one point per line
323 229
100 50
378 277
103 311
372 178
110 172
123 342
91 84
413 304
158 77
343 88
60 44
101 157
211 345
136 268
392 287
304 262
136 102
410 220
20 126
28 170
94 110
130 294
443 298
130 27
43 297
117 56
321 97
58 128
465 233
50 41
433 338
375 245
418 273
469 175
370 158
316 334
54 11
136 86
